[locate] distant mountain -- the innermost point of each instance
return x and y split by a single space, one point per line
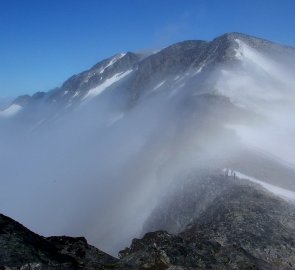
172 67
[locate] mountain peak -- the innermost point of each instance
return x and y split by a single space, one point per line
150 69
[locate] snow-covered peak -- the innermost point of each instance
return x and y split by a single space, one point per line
11 110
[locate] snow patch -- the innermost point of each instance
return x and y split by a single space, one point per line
199 69
159 85
281 192
108 82
11 110
113 61
76 94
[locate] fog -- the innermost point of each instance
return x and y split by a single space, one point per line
100 170
265 86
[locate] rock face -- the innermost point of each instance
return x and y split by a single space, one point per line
19 246
252 220
22 249
161 250
87 256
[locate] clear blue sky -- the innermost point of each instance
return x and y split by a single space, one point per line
43 42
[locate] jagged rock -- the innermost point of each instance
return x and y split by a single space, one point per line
160 250
253 219
19 246
21 249
87 256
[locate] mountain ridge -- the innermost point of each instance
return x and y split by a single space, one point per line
77 84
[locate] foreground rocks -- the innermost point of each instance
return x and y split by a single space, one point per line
161 250
237 225
22 249
241 227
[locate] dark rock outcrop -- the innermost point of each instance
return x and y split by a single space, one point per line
161 250
22 249
87 256
19 246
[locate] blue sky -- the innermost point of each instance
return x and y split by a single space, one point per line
43 42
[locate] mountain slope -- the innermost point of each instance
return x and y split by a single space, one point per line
171 61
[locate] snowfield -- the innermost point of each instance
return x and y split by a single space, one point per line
107 83
281 192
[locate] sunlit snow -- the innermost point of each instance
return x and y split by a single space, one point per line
113 61
108 82
281 192
159 85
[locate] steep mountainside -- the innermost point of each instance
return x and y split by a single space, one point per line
185 59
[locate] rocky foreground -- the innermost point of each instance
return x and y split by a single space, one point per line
227 223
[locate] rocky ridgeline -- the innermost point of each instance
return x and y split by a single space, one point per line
240 226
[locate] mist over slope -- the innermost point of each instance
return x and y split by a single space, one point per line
95 156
